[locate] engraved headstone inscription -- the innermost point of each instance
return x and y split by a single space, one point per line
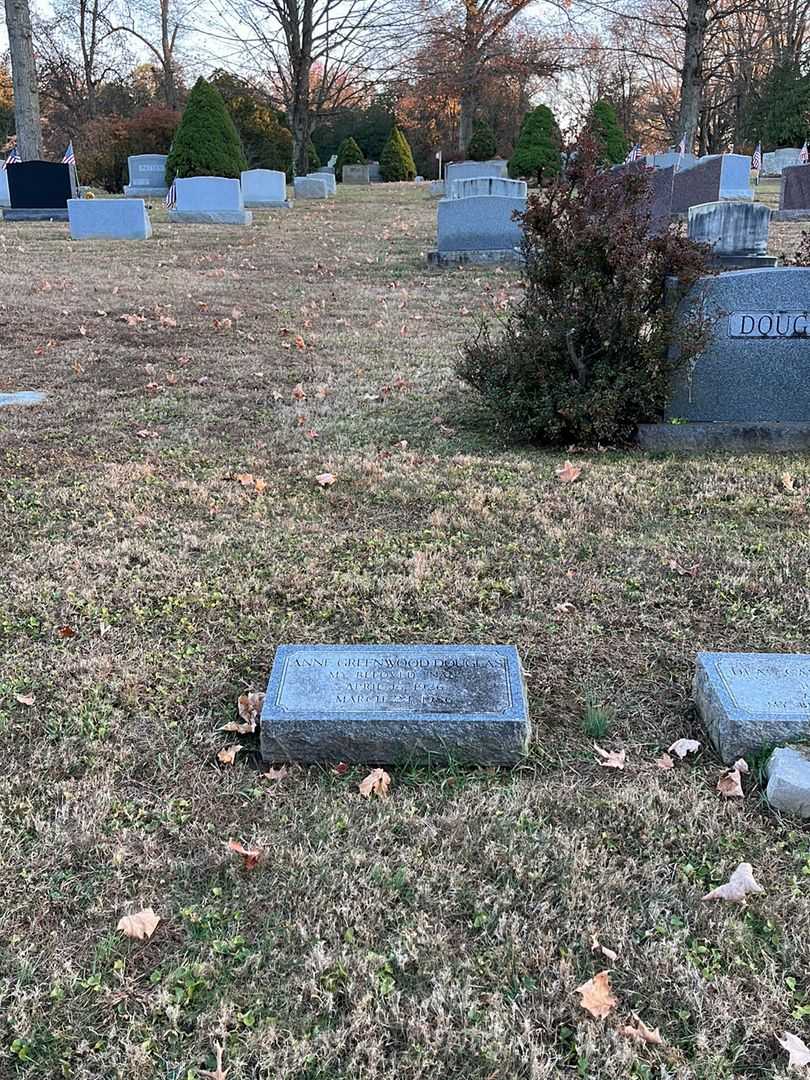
752 701
395 703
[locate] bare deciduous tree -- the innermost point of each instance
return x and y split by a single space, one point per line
24 77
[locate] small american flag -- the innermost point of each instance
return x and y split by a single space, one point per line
682 145
69 158
756 160
12 158
171 196
634 155
804 155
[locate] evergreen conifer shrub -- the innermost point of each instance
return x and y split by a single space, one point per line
267 143
482 145
396 160
585 357
602 126
349 153
206 143
537 152
313 160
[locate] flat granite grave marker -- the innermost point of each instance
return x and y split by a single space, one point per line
390 703
22 397
752 701
788 772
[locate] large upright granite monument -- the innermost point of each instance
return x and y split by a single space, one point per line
749 388
39 191
713 178
395 703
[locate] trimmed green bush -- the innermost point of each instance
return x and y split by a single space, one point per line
206 142
482 145
349 153
537 152
396 160
267 143
603 127
584 357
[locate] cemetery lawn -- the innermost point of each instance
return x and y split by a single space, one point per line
440 933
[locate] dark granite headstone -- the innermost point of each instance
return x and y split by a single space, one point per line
389 703
752 701
661 183
755 365
794 194
39 191
700 184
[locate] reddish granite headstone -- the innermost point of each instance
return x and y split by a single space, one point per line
700 184
795 190
661 182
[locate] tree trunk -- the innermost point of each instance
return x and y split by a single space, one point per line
24 79
473 30
299 125
167 51
465 124
692 71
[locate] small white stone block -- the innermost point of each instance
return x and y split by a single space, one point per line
789 780
108 219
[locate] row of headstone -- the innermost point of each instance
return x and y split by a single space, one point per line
384 704
776 161
476 220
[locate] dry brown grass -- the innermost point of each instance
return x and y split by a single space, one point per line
441 933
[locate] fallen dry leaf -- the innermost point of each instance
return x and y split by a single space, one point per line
251 856
298 392
788 483
611 759
249 707
730 783
228 754
325 479
569 473
141 925
641 1033
275 774
219 1073
376 783
66 631
681 747
597 946
246 479
597 996
665 762
24 699
299 342
341 768
738 886
798 1049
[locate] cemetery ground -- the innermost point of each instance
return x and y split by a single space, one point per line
163 529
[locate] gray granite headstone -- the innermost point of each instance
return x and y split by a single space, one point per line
752 701
478 229
264 189
774 162
328 177
395 703
356 174
374 174
488 185
147 176
731 228
211 200
755 366
468 170
310 187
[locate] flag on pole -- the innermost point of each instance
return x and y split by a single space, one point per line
682 145
12 158
69 158
756 160
804 154
171 197
634 155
